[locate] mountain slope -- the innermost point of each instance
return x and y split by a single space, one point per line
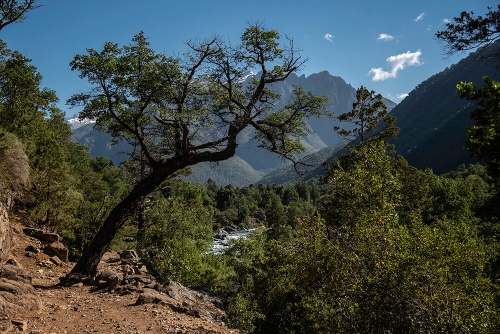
235 171
251 162
432 119
341 96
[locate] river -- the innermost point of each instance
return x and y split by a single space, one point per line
221 242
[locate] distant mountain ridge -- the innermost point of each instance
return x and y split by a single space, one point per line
251 161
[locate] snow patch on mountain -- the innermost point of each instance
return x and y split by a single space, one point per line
75 122
246 76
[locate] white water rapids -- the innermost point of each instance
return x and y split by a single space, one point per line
220 245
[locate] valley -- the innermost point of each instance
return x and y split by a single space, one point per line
330 174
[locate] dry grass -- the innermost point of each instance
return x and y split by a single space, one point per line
14 165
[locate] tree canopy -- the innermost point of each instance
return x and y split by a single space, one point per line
484 135
12 11
365 115
470 31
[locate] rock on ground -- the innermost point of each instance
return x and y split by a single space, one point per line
16 292
83 308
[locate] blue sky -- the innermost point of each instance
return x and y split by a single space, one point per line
388 46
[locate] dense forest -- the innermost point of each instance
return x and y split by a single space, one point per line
375 245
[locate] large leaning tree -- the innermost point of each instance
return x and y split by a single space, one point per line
180 111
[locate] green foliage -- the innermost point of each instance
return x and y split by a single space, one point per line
470 31
29 112
366 278
484 135
450 199
276 217
369 184
396 251
177 236
102 185
12 11
485 208
366 112
23 104
68 192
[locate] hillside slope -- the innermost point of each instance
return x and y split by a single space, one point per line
432 119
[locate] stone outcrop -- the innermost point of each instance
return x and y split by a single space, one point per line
181 299
41 234
110 257
129 257
16 292
129 275
108 279
5 232
53 246
57 249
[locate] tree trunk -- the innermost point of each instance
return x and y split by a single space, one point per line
88 262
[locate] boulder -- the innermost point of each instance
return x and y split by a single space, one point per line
221 235
22 325
129 256
5 233
181 299
13 262
230 229
15 273
32 249
55 260
108 279
110 257
142 278
57 249
16 292
42 235
150 296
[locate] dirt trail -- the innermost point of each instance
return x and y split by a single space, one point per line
81 309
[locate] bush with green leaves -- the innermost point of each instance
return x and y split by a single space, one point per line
178 234
396 252
366 278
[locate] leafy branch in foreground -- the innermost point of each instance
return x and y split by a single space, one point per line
484 135
12 11
470 32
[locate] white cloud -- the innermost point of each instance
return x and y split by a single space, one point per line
380 75
385 37
329 37
396 63
429 27
446 21
420 17
401 96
